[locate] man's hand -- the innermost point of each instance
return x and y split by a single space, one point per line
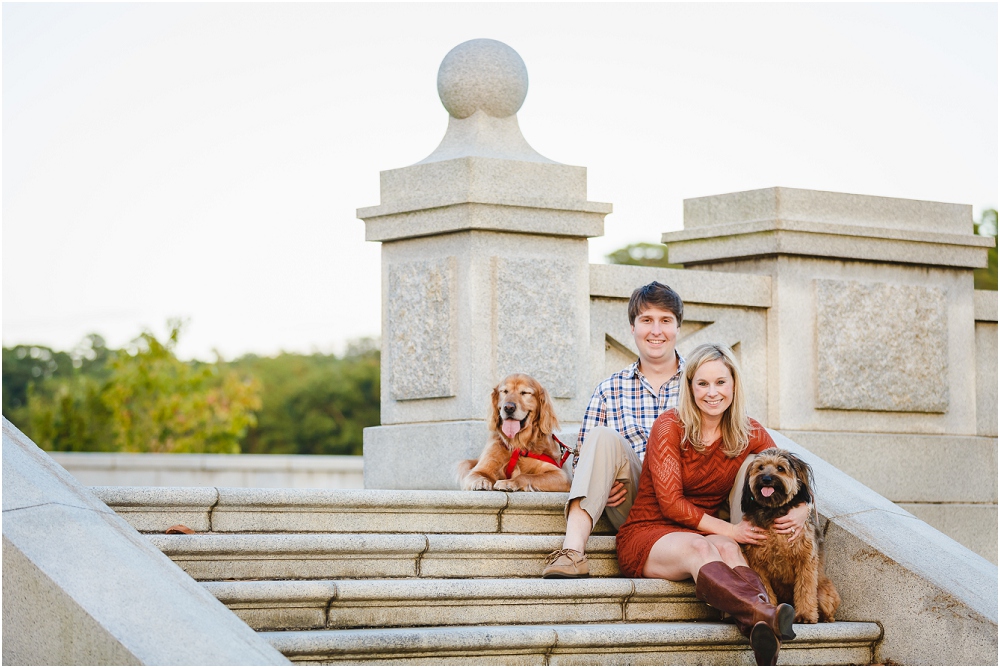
617 495
794 522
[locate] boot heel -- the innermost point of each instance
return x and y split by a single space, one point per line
785 615
765 644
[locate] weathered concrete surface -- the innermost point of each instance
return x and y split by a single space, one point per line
696 643
985 305
158 469
950 482
935 599
81 586
457 602
409 555
233 510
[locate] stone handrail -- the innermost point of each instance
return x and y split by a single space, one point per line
935 599
81 586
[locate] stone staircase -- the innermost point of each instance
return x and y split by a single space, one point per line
372 576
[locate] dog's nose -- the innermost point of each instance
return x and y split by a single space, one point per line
766 479
509 408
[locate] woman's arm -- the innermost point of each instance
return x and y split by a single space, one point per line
744 532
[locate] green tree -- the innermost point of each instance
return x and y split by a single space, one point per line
315 404
986 277
142 399
642 254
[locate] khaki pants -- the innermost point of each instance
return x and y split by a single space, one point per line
605 457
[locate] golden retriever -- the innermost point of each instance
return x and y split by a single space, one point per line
792 572
522 453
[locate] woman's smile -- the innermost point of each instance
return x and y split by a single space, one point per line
712 387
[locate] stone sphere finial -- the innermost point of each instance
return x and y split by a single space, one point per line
482 74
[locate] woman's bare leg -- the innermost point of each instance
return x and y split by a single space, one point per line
729 550
680 555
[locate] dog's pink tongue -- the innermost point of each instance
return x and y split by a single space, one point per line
767 491
511 427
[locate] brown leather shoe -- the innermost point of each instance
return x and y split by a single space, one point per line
566 564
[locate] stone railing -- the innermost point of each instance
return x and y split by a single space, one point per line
209 470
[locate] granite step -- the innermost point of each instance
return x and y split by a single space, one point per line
672 643
245 510
345 604
369 555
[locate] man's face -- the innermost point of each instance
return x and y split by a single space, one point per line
655 332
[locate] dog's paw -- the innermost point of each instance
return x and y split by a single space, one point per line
478 484
807 618
506 486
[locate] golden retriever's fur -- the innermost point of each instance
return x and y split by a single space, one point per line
526 408
792 571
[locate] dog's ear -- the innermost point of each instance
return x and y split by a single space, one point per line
747 501
493 419
548 423
804 473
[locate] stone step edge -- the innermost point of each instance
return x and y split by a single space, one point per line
224 509
429 641
326 592
329 545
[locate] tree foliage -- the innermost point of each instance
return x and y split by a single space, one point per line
986 277
144 399
140 399
642 254
315 404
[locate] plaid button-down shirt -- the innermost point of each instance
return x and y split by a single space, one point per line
627 403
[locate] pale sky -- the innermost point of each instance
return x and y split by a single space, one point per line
206 161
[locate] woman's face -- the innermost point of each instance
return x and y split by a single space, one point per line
712 387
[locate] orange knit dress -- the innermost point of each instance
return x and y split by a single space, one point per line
677 487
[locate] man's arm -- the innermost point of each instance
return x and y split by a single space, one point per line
595 415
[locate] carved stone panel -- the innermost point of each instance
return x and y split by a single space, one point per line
881 347
536 318
420 332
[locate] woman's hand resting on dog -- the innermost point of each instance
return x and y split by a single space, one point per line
791 524
745 533
794 522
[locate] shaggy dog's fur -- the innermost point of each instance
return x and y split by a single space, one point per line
521 419
793 572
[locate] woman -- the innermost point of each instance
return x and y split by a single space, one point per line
692 458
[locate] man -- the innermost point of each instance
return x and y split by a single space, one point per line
616 424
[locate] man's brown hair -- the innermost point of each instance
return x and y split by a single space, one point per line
657 295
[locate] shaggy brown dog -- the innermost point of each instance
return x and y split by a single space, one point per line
522 453
793 571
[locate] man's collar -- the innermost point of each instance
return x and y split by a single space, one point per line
633 371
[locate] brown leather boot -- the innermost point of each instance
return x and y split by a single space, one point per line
723 589
784 627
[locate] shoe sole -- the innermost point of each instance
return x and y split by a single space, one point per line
785 616
564 576
765 644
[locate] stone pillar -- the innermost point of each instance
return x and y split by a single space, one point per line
871 326
872 340
484 273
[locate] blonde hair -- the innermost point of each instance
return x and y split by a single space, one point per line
735 424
